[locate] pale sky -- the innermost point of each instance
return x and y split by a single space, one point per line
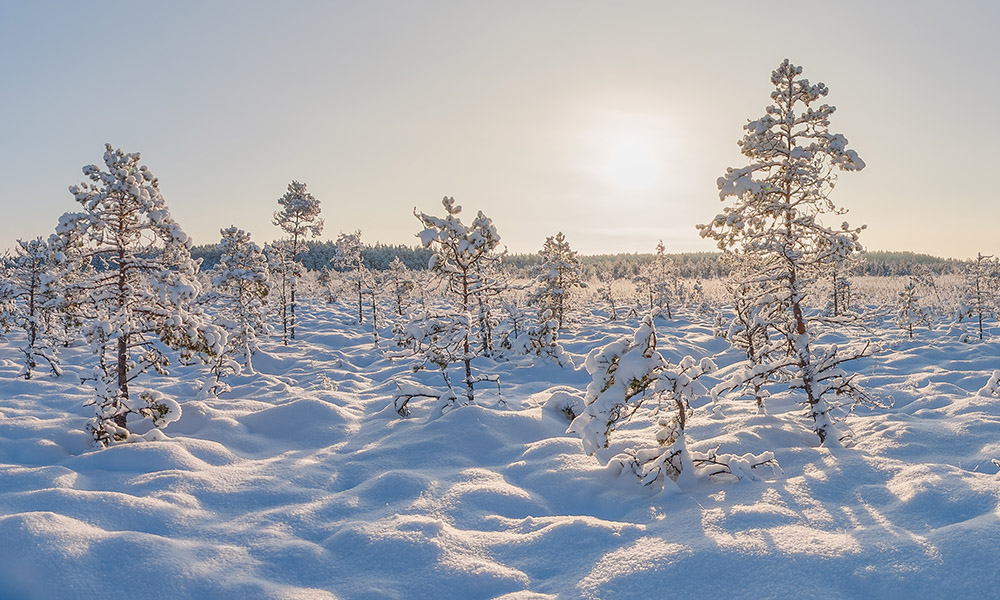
609 121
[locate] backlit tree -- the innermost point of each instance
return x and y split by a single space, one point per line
774 219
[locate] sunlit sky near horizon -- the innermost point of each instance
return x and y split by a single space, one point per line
609 121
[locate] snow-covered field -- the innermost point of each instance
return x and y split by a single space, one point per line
303 482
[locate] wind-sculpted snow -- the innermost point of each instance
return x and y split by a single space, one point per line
303 482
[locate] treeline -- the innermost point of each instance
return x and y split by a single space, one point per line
318 256
905 263
689 265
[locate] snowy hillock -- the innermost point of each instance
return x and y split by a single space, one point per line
303 482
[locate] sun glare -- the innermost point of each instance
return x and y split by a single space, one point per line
633 164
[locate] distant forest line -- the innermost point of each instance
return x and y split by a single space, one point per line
694 265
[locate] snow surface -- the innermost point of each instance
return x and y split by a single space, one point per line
303 482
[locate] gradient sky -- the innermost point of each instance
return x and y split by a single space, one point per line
530 111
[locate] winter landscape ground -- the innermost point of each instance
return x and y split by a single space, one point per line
303 482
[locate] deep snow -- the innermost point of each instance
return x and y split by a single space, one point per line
303 482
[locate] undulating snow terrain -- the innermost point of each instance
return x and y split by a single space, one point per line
303 482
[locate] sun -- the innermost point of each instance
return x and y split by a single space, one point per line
633 164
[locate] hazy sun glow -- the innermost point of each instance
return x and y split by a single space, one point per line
633 164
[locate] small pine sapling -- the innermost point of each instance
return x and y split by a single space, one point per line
605 290
657 279
349 257
26 302
909 312
298 218
840 294
539 338
374 282
492 285
980 290
328 284
400 284
240 286
749 329
283 272
462 261
559 274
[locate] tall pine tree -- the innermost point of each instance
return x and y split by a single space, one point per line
298 218
132 291
774 221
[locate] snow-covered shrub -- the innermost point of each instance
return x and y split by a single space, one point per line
140 299
774 221
298 218
630 375
992 387
540 338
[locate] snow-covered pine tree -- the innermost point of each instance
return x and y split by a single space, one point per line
241 283
461 258
349 257
138 301
979 293
559 274
70 264
513 325
663 276
298 218
840 294
26 297
492 284
328 283
374 281
778 199
400 284
909 311
605 290
750 327
283 271
657 280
